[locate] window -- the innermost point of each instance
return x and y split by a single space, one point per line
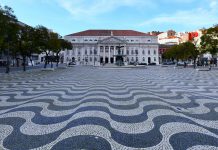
102 49
155 59
154 52
90 59
132 52
149 52
106 49
78 52
78 58
132 40
137 59
96 40
95 58
127 59
90 40
112 48
143 59
95 52
73 40
85 40
136 52
143 52
85 52
132 59
86 59
90 52
127 52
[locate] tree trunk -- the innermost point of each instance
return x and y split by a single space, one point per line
8 63
17 62
194 63
24 63
13 60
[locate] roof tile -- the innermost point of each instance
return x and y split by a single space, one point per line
109 33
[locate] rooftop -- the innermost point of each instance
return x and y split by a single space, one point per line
109 33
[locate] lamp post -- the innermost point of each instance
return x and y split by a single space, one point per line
95 52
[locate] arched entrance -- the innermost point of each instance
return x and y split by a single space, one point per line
149 60
106 60
112 60
119 60
101 60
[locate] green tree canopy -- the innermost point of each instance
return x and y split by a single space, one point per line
209 40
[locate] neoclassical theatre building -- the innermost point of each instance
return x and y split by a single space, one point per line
95 47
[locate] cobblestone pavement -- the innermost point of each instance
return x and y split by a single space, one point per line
96 108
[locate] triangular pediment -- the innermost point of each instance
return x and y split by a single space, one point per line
111 40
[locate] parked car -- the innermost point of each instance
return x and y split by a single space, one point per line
133 63
152 64
168 63
144 64
71 64
180 63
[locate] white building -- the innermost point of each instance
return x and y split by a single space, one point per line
95 47
168 38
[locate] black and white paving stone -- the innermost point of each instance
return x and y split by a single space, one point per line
100 109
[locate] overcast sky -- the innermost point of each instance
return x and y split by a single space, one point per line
69 16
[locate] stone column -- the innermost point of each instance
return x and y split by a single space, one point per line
98 50
104 54
97 62
109 57
114 54
125 53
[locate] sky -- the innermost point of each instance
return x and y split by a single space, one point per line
70 16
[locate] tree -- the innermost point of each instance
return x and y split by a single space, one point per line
209 40
41 39
8 32
173 53
54 45
183 51
25 43
32 43
190 51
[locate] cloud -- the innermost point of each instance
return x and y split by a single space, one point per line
83 8
199 17
213 4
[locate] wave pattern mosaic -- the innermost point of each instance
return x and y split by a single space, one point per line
101 109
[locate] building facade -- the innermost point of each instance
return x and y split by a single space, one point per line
95 47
